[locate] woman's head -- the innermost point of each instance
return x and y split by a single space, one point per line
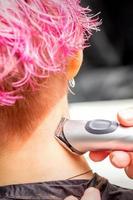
37 38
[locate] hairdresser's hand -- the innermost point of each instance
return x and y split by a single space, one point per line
119 159
90 194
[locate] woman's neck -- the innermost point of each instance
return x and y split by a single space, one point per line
42 158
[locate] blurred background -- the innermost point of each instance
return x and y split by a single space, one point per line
107 72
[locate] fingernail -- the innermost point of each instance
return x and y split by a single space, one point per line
71 198
120 159
127 114
93 193
114 160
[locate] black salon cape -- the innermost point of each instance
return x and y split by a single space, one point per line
58 190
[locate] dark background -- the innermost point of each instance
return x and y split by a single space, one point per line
107 70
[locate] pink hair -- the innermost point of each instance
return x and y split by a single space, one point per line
36 37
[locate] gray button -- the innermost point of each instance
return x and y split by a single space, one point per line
100 126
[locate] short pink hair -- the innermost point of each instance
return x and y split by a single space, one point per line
36 37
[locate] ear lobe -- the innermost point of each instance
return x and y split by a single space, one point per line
74 65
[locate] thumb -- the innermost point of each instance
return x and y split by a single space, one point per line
71 198
91 194
125 117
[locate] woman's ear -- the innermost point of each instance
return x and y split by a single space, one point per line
74 65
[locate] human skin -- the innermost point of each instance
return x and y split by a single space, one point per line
119 159
90 194
41 157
